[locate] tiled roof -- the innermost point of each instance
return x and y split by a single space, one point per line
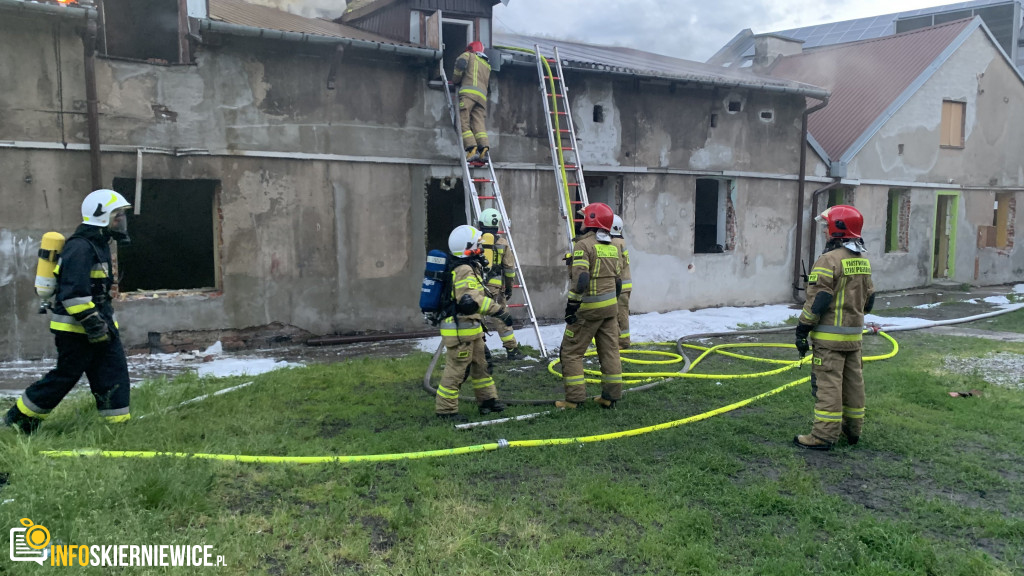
867 79
615 59
245 14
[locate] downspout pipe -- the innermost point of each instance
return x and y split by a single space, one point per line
269 34
91 107
801 187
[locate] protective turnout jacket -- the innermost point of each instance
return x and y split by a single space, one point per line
627 282
598 263
840 278
503 268
472 74
467 279
84 280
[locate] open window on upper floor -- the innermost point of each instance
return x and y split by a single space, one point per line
154 31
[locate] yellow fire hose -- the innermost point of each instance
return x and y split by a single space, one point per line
634 378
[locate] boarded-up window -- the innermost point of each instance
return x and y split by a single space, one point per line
952 124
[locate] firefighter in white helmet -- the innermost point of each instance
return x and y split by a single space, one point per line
501 276
462 333
627 284
82 320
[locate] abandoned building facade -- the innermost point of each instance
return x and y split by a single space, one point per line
296 170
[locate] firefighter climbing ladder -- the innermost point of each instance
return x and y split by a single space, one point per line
562 139
481 186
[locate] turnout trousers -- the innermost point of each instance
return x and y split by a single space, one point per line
103 364
464 360
623 318
600 325
473 115
837 383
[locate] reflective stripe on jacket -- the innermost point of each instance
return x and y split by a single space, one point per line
472 74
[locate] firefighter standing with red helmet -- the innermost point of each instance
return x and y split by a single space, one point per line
82 321
839 294
594 287
472 76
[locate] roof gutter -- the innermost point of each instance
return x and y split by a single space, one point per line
72 12
269 34
809 92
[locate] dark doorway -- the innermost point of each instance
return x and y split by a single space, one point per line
455 36
172 237
446 209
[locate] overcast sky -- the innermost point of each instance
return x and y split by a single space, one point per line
690 29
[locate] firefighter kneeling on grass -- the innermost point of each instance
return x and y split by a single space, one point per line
83 323
839 294
462 334
594 287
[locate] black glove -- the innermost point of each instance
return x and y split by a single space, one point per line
571 307
508 290
802 346
96 328
504 316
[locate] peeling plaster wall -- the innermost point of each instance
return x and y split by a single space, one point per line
992 158
337 246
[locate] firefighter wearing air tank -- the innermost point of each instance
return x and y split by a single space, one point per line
472 76
590 313
82 320
500 276
462 334
627 284
839 294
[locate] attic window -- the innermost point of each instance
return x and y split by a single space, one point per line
598 113
767 115
735 106
714 120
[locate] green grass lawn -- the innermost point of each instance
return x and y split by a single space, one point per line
936 485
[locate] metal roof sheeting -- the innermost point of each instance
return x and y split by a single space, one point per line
866 79
620 60
244 14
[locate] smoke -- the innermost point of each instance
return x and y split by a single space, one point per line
326 9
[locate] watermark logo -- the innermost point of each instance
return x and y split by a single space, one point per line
30 542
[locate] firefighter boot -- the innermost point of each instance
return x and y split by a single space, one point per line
811 442
491 405
515 353
565 405
604 402
852 432
472 154
453 417
483 154
15 419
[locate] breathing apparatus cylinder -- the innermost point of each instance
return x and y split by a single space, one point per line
49 251
487 243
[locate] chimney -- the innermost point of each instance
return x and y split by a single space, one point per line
768 47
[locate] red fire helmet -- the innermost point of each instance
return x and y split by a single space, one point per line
598 215
843 221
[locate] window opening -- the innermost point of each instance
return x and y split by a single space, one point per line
173 237
735 106
713 217
143 30
952 127
1000 233
897 223
767 115
446 209
714 120
598 113
455 36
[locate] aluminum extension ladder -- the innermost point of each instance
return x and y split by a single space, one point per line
572 190
482 191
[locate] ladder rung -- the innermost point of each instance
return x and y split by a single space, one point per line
487 197
573 166
551 60
567 184
577 219
556 95
552 78
557 112
482 180
560 129
576 202
569 149
515 305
